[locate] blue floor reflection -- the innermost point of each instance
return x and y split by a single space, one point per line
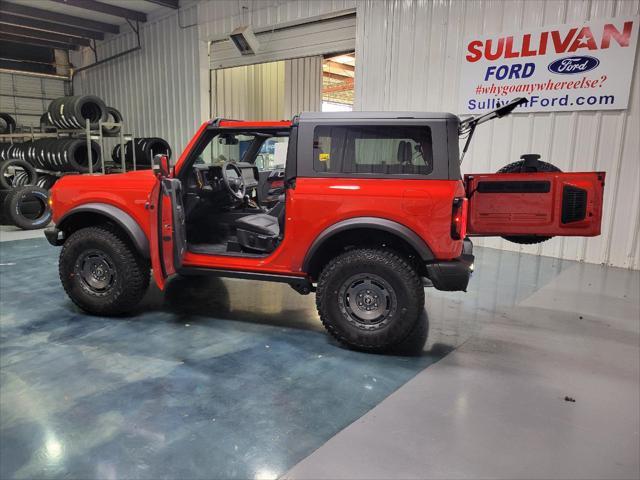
214 379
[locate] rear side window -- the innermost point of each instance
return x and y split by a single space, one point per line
373 149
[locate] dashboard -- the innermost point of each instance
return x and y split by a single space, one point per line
211 175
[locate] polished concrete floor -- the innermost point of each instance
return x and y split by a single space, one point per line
9 233
237 379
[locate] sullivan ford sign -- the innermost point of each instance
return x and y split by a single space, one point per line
582 66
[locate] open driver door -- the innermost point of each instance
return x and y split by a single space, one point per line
167 220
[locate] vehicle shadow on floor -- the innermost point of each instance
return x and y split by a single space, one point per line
204 299
199 299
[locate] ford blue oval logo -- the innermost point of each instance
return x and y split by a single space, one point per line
575 64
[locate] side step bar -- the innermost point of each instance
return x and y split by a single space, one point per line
301 285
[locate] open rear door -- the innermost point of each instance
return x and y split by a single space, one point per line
541 204
168 229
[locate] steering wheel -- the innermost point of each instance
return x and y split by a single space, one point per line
233 181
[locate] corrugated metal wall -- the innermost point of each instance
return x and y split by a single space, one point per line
251 92
267 91
303 85
222 16
157 88
408 58
163 89
333 35
27 97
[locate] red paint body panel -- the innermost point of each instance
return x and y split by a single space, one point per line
314 204
493 214
154 240
424 206
127 191
243 124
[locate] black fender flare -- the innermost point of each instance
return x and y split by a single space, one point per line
118 216
376 223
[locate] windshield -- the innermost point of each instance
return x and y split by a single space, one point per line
267 152
226 147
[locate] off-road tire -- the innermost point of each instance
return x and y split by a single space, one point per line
132 271
399 275
518 167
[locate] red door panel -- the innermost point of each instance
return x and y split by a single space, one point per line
154 235
167 229
542 203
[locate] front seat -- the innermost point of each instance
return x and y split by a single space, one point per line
261 232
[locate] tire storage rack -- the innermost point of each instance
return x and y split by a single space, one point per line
35 210
70 141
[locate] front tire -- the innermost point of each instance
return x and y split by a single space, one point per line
101 272
369 299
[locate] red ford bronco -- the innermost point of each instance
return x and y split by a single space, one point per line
359 207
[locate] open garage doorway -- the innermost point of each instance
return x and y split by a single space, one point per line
295 65
338 82
268 91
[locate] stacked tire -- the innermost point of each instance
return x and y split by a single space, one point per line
62 155
22 202
73 112
12 150
113 116
145 150
58 155
7 123
16 172
26 207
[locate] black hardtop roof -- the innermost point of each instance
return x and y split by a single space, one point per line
356 115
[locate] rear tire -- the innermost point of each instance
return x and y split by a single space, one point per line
101 272
369 299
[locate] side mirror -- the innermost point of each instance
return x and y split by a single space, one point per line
161 166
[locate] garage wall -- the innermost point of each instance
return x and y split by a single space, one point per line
303 85
408 59
251 92
267 91
163 90
157 89
219 18
330 35
27 97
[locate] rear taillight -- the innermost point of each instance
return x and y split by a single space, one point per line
459 218
277 183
